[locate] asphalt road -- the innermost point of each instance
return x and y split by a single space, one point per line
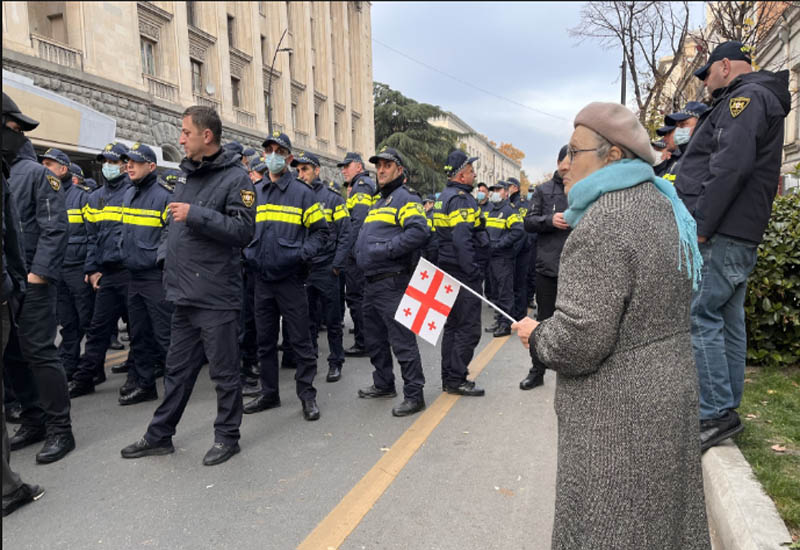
484 477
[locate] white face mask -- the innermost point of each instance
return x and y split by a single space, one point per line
681 135
494 196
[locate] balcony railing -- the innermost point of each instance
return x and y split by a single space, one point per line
58 53
245 119
160 88
206 101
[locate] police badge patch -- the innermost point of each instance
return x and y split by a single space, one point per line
54 182
737 105
248 198
464 214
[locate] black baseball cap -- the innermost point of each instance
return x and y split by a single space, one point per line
456 161
280 138
139 152
692 109
58 156
499 184
733 50
10 110
304 157
113 151
387 153
514 181
348 158
664 130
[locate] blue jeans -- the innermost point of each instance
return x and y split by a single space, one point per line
718 329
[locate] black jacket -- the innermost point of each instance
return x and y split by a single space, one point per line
548 198
503 224
144 219
521 206
729 174
463 241
77 198
668 168
43 214
104 216
202 255
359 201
14 273
338 217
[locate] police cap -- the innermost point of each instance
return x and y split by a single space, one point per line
457 161
692 109
280 138
113 151
304 157
348 158
733 50
58 156
387 153
139 152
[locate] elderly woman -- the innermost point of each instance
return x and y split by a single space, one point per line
629 473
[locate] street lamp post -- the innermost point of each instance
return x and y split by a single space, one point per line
269 84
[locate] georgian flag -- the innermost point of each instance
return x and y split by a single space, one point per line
427 301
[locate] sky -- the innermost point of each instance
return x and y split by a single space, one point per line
518 51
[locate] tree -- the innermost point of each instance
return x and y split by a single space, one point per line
402 123
511 152
646 32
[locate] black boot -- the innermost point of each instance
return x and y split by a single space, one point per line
531 381
55 448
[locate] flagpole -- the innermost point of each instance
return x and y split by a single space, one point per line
490 304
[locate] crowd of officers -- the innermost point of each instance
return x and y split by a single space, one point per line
237 256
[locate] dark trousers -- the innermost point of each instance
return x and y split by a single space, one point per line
74 311
11 480
546 291
196 334
340 281
462 331
247 320
501 275
109 301
287 299
532 268
32 364
381 299
323 303
354 296
149 317
521 263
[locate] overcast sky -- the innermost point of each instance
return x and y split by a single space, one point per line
520 51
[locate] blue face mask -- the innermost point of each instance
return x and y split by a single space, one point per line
681 135
111 171
480 196
530 195
275 163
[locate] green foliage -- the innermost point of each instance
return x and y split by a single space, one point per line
773 295
402 123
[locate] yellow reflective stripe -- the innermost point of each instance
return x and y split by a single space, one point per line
279 208
455 217
283 217
164 214
669 178
328 214
513 219
105 214
141 220
378 217
496 223
141 212
430 224
360 198
312 215
73 218
340 212
411 209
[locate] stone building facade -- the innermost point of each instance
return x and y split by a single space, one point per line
143 63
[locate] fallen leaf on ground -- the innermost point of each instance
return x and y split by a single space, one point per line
770 392
506 492
778 448
751 416
384 449
747 381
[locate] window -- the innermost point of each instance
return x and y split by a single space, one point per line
266 104
191 13
264 53
294 115
236 93
148 57
262 8
231 32
58 29
316 124
291 65
197 77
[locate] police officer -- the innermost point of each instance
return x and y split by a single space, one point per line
210 219
523 254
104 268
170 179
323 281
431 250
684 121
144 220
31 358
728 179
504 226
666 133
394 230
361 189
243 153
463 253
290 232
75 296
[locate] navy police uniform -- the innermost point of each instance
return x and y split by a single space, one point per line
522 259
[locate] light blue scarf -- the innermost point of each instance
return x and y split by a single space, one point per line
628 173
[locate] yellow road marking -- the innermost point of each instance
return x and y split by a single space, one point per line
345 517
116 357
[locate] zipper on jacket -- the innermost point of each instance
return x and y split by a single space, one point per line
48 209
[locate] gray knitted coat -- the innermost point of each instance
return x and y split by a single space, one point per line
629 473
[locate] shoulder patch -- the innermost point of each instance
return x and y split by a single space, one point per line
464 214
737 105
85 188
248 198
461 193
168 187
54 182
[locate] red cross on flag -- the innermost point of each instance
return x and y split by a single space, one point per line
427 302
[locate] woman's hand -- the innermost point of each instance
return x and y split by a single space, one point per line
524 329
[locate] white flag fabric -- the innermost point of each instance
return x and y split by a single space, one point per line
427 301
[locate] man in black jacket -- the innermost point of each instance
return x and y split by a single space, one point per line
728 178
31 357
210 220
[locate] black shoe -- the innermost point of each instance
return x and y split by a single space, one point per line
467 387
334 374
99 378
55 448
22 496
531 381
14 414
502 330
323 328
356 351
351 331
77 389
120 368
219 453
26 435
715 431
408 407
251 370
127 387
310 409
248 382
159 370
139 395
373 392
262 403
491 328
116 345
144 448
252 391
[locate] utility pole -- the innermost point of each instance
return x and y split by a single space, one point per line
269 85
623 86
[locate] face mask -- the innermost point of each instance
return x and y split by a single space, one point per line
681 135
530 195
275 163
495 197
111 171
12 143
479 196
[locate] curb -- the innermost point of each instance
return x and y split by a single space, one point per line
740 515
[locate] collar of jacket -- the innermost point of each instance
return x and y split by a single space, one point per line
283 182
316 184
460 186
66 179
387 189
118 181
556 179
26 151
221 159
146 181
512 198
499 205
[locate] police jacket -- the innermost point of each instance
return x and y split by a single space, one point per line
144 219
393 232
337 216
14 273
290 229
40 204
202 266
504 226
521 206
548 199
431 251
77 198
104 214
463 241
359 201
729 174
